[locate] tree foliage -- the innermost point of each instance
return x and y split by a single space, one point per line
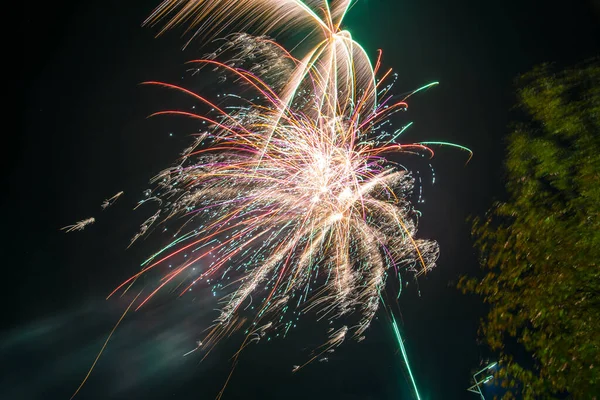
540 250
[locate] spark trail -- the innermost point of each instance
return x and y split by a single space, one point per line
110 201
79 225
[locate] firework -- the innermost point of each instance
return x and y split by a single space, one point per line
79 225
298 206
286 203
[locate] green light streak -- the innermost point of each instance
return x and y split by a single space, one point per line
173 243
421 88
458 146
403 350
398 133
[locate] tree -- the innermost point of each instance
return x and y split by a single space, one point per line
540 250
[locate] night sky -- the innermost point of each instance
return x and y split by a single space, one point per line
82 135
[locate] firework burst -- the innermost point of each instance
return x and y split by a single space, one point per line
301 208
286 202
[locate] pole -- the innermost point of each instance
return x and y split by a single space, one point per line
476 388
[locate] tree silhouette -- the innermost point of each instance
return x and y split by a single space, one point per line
540 250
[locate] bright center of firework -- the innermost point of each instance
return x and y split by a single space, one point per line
336 217
328 181
345 195
321 162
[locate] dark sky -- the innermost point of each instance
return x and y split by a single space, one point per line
82 135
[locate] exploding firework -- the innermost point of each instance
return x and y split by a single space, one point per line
79 225
286 196
286 203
